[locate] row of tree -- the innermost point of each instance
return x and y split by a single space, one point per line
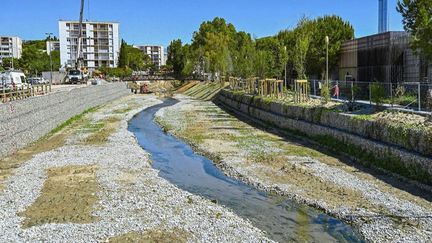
34 58
218 49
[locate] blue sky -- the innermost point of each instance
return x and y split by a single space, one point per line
160 21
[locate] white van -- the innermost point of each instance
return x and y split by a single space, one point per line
12 80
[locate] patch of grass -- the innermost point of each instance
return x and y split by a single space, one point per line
102 131
122 111
278 169
189 200
68 196
159 236
71 121
166 127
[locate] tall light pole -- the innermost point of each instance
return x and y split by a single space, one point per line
327 40
50 55
285 68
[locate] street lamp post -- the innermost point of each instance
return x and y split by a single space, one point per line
50 55
327 61
286 83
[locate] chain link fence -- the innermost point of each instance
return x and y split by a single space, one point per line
414 96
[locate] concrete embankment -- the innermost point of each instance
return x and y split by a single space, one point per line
372 143
25 121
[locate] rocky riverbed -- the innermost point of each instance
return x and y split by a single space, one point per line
382 208
91 182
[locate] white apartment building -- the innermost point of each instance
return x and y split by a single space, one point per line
100 41
156 53
52 46
10 46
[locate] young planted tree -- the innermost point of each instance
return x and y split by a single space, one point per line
303 34
377 94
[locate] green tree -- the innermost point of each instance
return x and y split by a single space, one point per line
288 39
276 54
261 63
417 20
212 47
338 32
122 62
7 63
177 58
34 60
134 58
243 56
303 34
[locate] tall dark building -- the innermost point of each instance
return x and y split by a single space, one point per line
382 16
384 57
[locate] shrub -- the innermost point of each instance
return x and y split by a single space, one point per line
377 94
325 93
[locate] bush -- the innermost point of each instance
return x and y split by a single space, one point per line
377 94
325 92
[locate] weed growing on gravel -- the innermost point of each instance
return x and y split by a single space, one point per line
160 236
102 131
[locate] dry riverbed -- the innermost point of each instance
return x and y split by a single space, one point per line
372 203
90 181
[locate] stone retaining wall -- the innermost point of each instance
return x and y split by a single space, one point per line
339 132
25 121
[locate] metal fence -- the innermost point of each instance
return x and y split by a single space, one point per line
412 96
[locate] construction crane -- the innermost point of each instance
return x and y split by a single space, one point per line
78 74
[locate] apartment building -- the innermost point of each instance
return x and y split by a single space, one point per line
100 44
52 46
156 53
10 46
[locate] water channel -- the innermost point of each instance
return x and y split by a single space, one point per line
282 219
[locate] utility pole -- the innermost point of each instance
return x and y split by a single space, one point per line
50 55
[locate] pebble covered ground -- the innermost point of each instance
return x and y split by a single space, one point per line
380 211
131 198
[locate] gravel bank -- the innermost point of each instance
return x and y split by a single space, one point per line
132 198
379 211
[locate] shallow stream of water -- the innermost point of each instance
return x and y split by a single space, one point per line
282 219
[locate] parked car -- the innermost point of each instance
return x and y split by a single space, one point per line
12 80
37 80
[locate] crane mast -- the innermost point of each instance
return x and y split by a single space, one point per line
80 54
78 74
